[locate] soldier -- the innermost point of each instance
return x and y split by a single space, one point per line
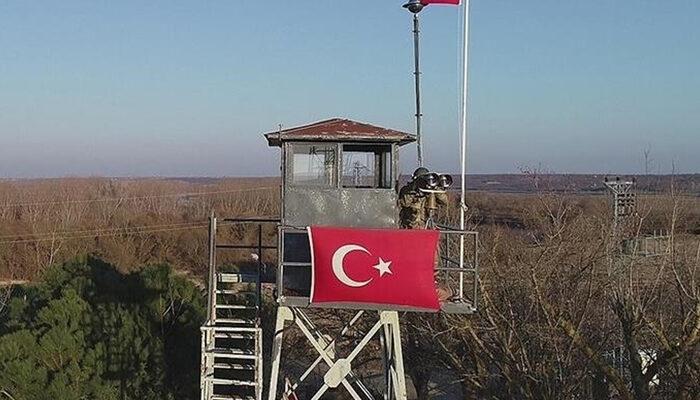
414 212
413 203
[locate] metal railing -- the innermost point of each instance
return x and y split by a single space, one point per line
459 255
214 246
450 269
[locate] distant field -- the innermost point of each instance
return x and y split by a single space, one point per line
688 184
132 222
579 183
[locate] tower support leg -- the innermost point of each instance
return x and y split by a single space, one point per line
284 314
207 368
393 356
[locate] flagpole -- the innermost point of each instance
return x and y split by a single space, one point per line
463 135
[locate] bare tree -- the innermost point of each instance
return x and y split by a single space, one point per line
560 301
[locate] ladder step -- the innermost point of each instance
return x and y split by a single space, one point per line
234 382
235 366
218 329
232 397
235 307
234 353
241 292
234 335
236 278
237 321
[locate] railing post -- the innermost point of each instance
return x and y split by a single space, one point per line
446 276
279 285
258 285
476 270
212 268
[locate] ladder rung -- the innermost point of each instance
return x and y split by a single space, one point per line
238 321
234 353
236 366
234 328
234 382
236 278
235 307
232 397
229 291
234 335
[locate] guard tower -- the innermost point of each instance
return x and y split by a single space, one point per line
624 201
339 173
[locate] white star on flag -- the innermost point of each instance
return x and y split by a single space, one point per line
383 267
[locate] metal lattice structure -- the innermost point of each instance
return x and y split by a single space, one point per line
624 199
624 202
339 369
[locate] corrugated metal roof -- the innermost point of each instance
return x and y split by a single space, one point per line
339 130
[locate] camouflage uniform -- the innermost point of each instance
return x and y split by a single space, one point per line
413 213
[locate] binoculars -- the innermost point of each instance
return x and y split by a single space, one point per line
434 181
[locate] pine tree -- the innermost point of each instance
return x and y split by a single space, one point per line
87 331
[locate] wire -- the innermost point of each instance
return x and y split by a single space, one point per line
112 199
107 232
97 230
104 235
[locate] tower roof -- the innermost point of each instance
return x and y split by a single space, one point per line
339 130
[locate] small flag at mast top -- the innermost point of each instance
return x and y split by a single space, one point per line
428 2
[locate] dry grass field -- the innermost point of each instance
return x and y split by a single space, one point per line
127 222
135 222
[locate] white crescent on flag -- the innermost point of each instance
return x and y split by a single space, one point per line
339 269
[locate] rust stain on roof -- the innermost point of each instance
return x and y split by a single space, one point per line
339 130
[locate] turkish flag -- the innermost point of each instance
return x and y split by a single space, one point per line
426 2
384 268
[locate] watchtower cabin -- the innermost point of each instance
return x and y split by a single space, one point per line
339 173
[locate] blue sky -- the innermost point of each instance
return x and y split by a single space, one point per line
186 88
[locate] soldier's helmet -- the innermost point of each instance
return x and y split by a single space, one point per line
420 172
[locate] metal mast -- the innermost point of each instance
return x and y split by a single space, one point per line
415 6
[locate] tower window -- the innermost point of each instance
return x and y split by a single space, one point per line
366 166
313 165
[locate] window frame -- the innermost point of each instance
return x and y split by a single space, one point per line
381 168
291 146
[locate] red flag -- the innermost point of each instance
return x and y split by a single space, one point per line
427 2
389 268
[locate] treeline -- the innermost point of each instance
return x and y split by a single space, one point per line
87 331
